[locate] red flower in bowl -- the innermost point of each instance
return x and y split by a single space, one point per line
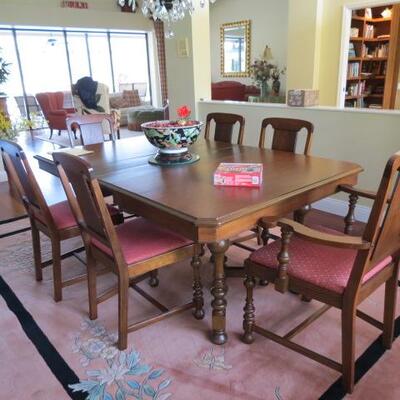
183 112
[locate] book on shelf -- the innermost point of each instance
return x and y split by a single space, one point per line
238 174
353 70
369 31
352 51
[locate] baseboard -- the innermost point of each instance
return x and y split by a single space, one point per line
3 176
341 207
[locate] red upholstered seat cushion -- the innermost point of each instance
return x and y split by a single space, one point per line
324 266
141 239
63 217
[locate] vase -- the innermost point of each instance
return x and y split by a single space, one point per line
276 86
263 89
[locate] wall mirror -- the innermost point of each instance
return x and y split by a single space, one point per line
235 49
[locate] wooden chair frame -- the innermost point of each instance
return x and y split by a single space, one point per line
285 135
90 127
224 123
74 172
29 192
379 241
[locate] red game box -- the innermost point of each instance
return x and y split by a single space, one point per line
237 174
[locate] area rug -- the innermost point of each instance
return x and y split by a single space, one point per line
52 351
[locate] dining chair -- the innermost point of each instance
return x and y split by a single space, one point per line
92 128
224 124
285 133
56 221
338 270
130 250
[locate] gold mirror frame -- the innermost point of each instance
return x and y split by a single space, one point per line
247 25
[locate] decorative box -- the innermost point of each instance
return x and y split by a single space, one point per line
303 98
237 174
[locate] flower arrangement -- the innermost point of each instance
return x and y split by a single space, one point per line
7 130
276 73
183 115
261 71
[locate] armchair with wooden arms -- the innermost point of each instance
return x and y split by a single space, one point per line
338 270
53 110
103 105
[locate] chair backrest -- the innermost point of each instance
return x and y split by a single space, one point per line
383 226
285 134
50 101
87 202
92 128
224 124
23 179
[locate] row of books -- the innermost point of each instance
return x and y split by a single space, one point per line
369 31
377 51
353 70
356 89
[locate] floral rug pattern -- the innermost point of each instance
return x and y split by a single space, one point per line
123 377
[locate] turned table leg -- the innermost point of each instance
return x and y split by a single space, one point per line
218 291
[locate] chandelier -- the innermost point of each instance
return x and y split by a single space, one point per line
168 11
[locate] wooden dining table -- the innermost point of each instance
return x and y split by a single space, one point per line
184 199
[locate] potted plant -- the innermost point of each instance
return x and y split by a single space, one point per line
4 72
127 5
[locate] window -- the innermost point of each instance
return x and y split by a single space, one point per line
78 55
13 86
54 58
100 58
44 61
127 69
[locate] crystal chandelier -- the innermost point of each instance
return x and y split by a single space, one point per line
168 11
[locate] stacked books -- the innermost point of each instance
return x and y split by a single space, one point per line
237 174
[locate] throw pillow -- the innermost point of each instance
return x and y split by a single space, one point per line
118 102
132 97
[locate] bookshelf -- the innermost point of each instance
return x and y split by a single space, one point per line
374 58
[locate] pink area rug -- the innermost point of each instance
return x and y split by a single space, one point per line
52 351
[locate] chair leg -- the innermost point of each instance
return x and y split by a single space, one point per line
37 255
197 288
51 133
249 311
348 351
153 281
389 314
57 279
123 285
59 132
92 285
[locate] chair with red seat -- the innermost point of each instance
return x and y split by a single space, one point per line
56 221
52 105
338 270
130 250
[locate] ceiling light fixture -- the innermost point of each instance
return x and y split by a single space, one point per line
168 11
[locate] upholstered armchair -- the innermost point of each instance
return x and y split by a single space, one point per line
51 104
103 105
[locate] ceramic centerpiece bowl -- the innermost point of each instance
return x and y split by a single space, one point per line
172 138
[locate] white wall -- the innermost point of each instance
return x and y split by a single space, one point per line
269 26
368 138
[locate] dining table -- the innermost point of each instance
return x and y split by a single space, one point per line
184 198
